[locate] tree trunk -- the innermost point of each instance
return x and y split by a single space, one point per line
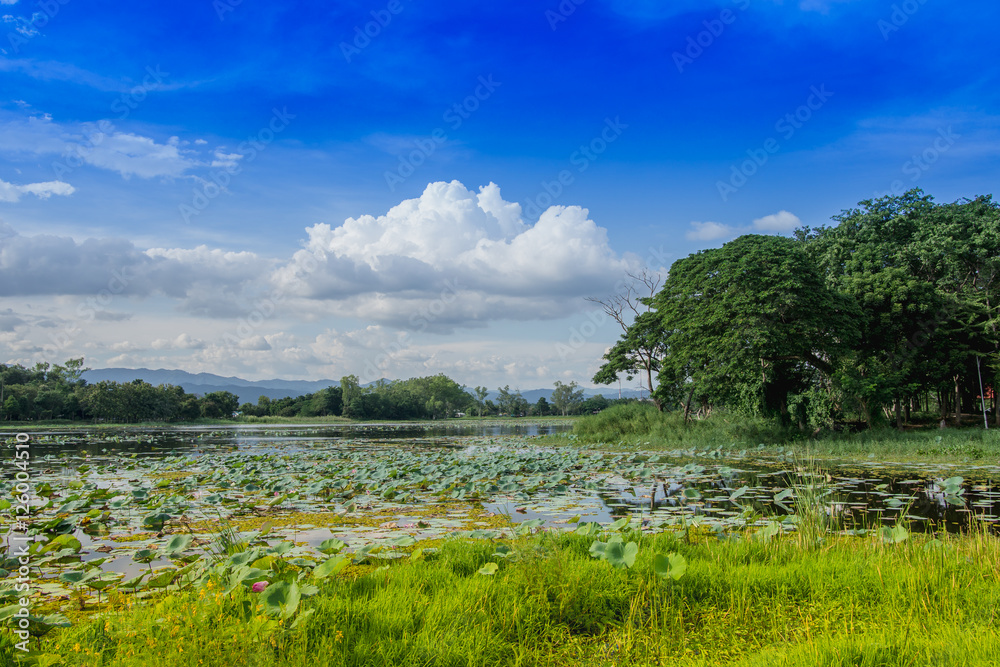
687 405
649 381
866 413
958 401
897 408
994 405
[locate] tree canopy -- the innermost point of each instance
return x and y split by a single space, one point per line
891 305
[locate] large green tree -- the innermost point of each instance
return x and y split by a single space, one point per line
925 278
750 323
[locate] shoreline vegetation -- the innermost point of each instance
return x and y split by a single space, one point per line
760 597
640 426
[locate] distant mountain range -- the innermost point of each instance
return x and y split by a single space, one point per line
250 390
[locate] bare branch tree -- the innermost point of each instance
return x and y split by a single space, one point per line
626 305
640 348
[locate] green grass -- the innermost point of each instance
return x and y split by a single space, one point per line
641 426
848 601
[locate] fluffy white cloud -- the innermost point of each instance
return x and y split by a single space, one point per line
131 154
225 160
255 343
781 222
709 231
449 258
453 256
12 193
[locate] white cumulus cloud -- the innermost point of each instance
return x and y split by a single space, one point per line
709 231
781 222
12 193
455 257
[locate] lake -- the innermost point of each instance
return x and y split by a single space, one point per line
382 487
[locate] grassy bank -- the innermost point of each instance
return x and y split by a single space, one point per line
843 601
642 426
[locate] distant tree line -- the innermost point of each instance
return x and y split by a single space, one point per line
567 399
59 392
895 309
434 397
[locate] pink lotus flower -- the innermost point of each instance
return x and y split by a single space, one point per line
259 586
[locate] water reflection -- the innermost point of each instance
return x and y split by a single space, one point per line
848 502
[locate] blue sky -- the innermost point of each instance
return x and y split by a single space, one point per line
280 194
